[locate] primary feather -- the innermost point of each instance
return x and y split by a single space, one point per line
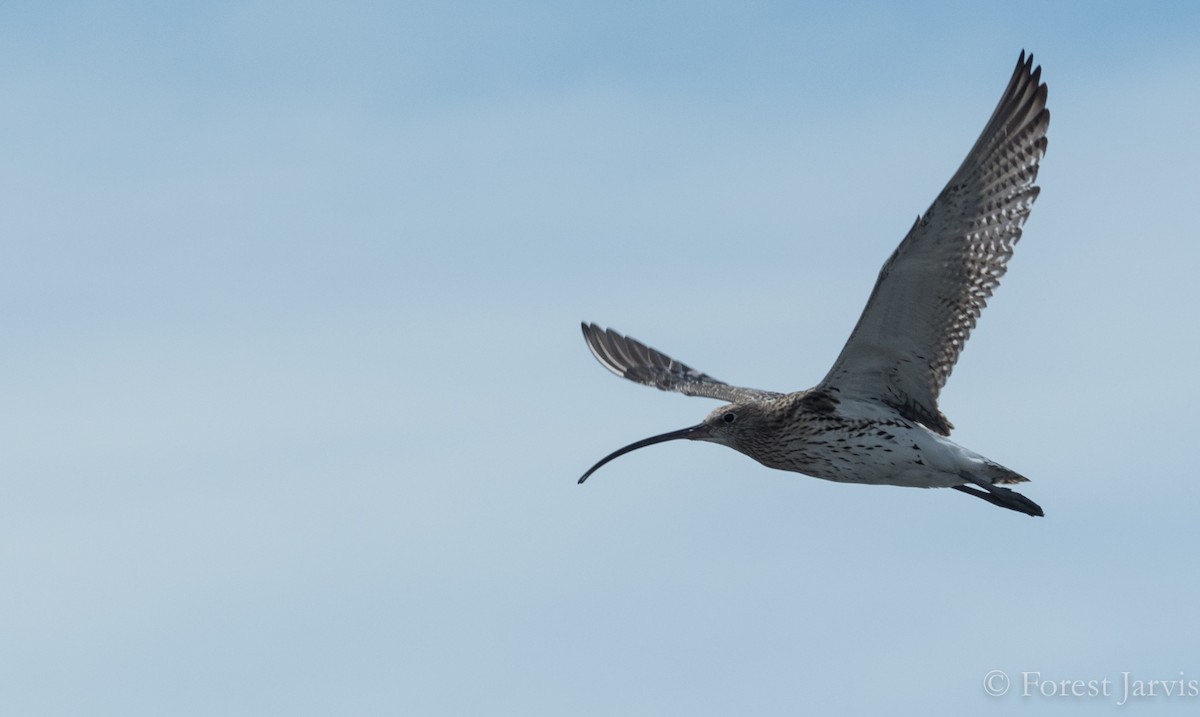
631 359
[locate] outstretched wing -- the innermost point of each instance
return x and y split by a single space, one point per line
934 287
638 362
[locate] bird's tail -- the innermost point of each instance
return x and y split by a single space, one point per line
997 474
989 481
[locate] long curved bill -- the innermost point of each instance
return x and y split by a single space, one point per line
699 432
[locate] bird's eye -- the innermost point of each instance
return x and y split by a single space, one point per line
729 417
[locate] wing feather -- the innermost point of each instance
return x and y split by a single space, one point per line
934 287
631 359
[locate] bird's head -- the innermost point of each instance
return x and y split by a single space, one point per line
728 425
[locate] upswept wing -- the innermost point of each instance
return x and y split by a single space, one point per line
935 285
637 362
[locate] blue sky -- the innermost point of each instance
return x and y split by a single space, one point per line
295 397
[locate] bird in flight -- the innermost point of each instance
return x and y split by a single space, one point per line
874 418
